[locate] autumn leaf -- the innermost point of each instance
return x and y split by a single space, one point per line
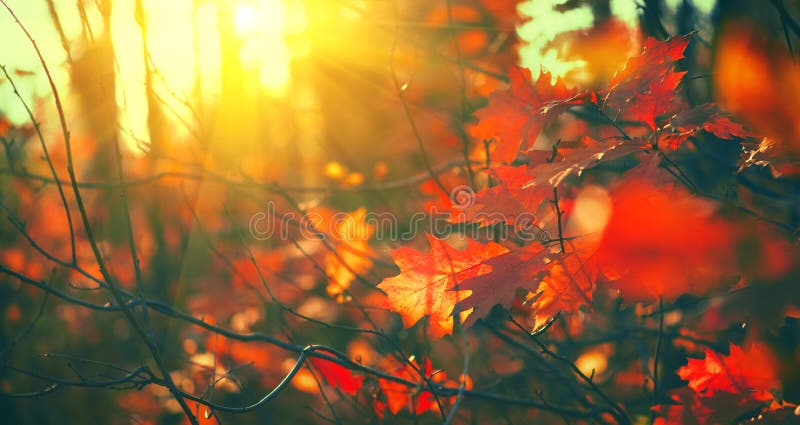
660 241
724 128
645 89
428 283
707 117
203 414
555 282
351 234
723 389
516 116
749 372
398 396
551 174
506 201
566 288
520 190
347 235
688 408
338 376
521 268
655 101
657 57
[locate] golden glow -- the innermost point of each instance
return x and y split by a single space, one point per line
262 27
592 210
335 170
184 50
188 39
208 57
245 20
592 363
131 99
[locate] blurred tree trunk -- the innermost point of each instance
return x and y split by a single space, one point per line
93 76
235 123
155 118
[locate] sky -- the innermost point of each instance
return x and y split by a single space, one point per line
261 26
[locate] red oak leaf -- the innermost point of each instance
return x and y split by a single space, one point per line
656 101
724 128
724 389
550 174
749 372
521 190
338 376
656 57
516 116
515 269
428 283
707 117
567 288
645 89
662 241
443 201
505 202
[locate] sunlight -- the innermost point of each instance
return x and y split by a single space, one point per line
552 19
187 44
262 27
359 209
536 54
17 55
189 54
186 50
245 20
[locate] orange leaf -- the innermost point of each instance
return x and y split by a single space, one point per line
506 201
704 117
645 89
521 190
350 233
724 389
428 284
516 116
507 272
568 287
